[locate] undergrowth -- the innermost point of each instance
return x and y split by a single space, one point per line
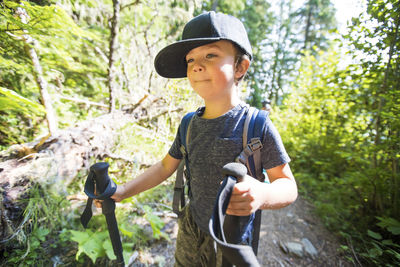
42 232
52 234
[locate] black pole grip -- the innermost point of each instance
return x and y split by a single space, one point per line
101 177
235 169
231 225
220 223
105 187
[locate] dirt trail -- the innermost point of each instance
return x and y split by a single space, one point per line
291 225
294 224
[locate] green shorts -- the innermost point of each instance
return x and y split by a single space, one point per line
193 246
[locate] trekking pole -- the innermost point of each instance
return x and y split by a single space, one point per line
98 181
221 223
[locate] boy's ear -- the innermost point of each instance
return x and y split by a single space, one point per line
242 68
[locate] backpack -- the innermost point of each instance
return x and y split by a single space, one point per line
250 156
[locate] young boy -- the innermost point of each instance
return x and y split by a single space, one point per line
214 54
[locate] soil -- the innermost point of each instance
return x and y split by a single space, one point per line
290 224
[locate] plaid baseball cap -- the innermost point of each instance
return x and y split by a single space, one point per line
204 29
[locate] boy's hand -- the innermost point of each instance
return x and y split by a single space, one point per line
247 197
119 193
117 197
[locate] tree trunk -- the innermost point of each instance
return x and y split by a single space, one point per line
381 92
38 74
393 131
214 5
111 57
308 26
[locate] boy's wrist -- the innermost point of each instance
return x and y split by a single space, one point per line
122 191
266 188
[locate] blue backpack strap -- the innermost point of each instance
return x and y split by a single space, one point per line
253 133
183 168
183 128
255 136
252 142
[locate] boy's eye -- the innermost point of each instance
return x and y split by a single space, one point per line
189 60
210 55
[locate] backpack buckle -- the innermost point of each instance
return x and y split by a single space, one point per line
183 150
255 144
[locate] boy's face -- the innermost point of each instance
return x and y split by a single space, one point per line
211 70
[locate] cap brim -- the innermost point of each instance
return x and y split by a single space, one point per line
170 62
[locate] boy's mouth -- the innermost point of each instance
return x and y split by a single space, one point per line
202 80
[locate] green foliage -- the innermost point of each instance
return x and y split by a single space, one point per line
96 245
134 233
16 110
12 101
71 39
379 247
317 20
232 7
389 224
41 230
156 223
59 43
342 133
34 251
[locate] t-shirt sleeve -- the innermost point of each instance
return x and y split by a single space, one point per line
174 150
273 152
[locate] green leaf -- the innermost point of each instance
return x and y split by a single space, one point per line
394 230
389 242
15 101
375 252
41 233
92 248
90 243
374 235
107 245
390 224
79 236
156 223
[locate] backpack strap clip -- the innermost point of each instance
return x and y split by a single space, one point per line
252 150
179 190
255 144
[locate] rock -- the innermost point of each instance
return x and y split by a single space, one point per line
305 248
293 248
309 249
132 258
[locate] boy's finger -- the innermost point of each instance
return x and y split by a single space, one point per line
240 188
238 209
98 203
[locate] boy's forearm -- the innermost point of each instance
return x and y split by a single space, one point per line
150 178
144 181
279 194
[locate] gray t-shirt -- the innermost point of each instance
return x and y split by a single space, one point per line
214 143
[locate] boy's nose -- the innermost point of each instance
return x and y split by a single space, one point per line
198 67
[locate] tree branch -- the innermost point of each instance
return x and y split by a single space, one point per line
159 115
84 101
131 4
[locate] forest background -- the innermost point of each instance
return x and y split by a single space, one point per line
335 99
